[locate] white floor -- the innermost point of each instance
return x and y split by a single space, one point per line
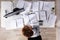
58 34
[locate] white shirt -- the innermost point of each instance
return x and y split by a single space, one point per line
35 30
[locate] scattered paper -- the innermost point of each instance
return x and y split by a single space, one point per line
51 22
15 22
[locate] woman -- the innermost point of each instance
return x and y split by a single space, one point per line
32 33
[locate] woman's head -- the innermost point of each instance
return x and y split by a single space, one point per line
27 30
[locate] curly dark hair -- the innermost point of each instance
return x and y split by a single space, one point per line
27 31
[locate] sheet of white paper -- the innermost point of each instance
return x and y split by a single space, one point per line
41 5
20 3
52 20
33 19
35 6
27 5
27 8
26 19
48 5
19 23
43 15
37 15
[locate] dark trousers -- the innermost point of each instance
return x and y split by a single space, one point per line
36 38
